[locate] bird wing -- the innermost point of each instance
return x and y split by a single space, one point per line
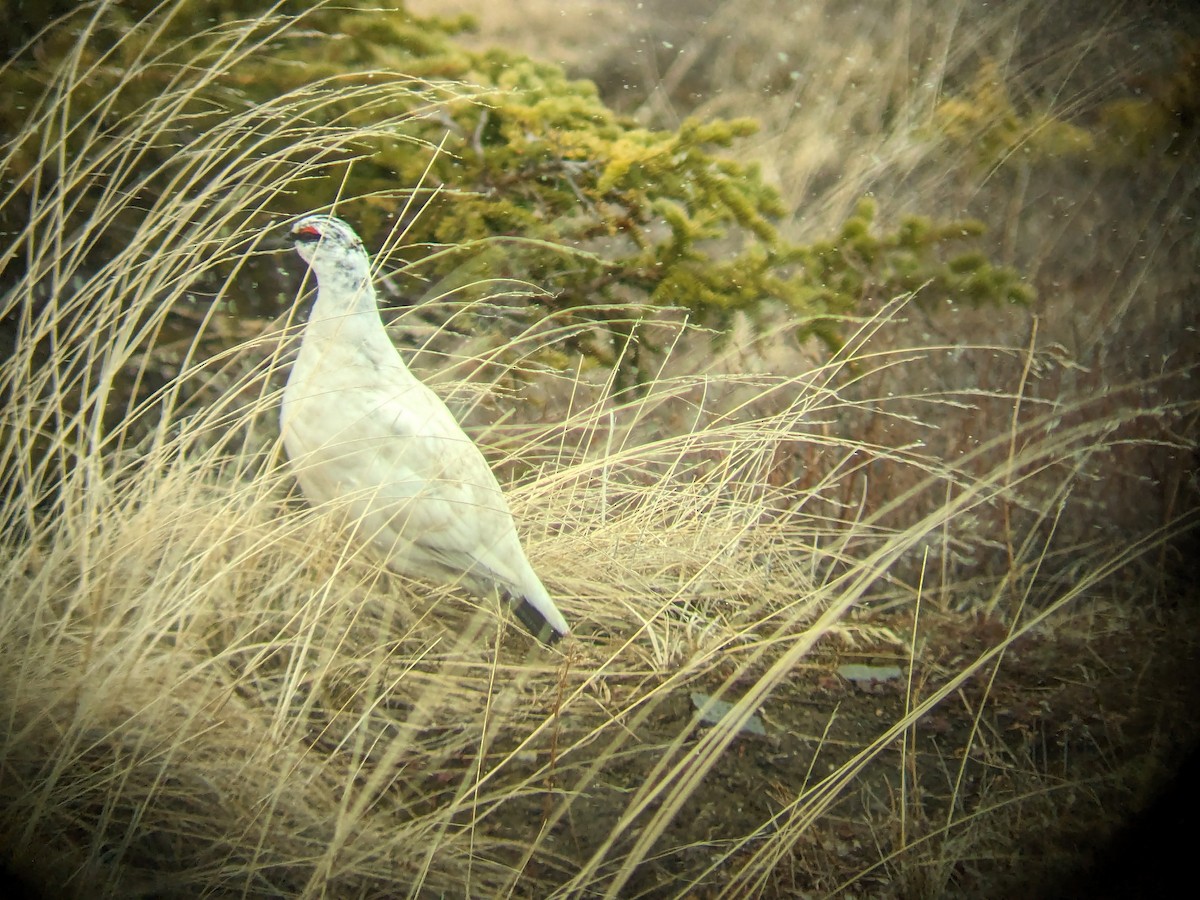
416 484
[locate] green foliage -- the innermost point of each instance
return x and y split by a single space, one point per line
542 182
859 263
1157 119
1162 117
985 121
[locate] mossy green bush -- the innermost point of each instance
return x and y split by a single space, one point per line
1154 117
533 178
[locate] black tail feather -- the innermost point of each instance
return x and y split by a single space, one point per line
533 620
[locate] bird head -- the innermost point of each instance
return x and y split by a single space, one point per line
324 241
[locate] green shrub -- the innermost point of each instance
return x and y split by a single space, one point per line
535 180
1156 118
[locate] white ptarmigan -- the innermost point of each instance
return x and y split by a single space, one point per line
362 431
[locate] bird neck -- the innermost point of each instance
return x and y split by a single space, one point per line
346 311
343 290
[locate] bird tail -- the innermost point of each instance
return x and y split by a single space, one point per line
539 615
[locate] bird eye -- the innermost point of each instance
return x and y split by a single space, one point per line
306 235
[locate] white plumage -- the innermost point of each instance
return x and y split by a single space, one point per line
360 429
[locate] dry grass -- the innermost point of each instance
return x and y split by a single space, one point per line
206 690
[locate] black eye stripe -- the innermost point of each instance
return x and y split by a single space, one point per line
306 236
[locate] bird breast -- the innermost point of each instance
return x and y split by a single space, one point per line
364 434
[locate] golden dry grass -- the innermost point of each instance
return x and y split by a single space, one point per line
206 690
